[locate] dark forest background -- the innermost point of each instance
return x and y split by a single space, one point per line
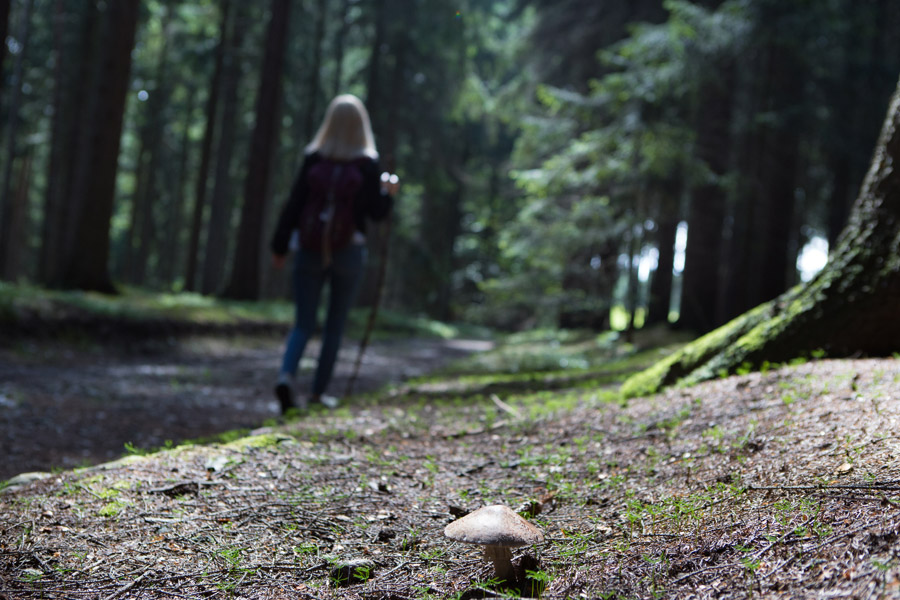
572 163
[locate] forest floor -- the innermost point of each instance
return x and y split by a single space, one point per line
66 405
777 484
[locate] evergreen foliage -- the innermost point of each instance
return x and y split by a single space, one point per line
548 150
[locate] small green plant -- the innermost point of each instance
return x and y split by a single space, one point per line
112 509
305 549
883 565
541 576
822 530
714 433
32 575
362 573
133 450
745 368
750 564
536 582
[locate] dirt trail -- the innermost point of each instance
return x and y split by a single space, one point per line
64 407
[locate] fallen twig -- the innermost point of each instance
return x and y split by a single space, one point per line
819 488
505 407
129 586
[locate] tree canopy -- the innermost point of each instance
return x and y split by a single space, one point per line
578 164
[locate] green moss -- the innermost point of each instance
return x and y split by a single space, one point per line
265 440
695 355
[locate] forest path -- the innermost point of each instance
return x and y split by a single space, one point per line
62 407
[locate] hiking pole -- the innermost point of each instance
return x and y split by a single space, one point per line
379 286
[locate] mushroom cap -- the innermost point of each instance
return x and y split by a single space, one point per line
494 525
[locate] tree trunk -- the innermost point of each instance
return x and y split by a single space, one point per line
88 268
849 308
245 279
635 240
739 261
700 306
219 229
440 217
858 103
7 200
4 32
777 203
314 84
212 106
74 46
373 90
126 269
18 221
339 38
383 111
61 131
143 227
171 246
660 302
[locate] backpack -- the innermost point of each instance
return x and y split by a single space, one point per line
327 220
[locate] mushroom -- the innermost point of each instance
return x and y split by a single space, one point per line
498 528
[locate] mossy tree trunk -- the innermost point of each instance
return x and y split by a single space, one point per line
851 307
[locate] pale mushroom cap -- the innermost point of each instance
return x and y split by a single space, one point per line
495 525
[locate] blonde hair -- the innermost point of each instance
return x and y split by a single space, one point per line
345 132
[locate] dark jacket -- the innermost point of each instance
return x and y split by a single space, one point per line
370 203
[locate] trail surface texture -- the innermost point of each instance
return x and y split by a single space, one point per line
784 484
63 407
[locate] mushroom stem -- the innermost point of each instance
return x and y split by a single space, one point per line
501 556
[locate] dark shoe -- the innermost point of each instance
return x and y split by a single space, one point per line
284 391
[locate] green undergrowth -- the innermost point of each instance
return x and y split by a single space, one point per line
32 310
546 350
548 360
21 301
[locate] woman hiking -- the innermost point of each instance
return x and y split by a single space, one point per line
339 186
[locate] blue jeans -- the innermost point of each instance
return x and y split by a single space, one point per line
343 276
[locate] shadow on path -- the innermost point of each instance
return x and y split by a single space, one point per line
62 408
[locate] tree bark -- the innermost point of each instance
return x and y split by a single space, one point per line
660 301
245 274
700 305
774 225
171 248
373 89
88 267
56 177
212 105
635 241
382 111
219 229
314 83
7 200
4 32
857 103
339 38
849 308
18 221
142 230
74 48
